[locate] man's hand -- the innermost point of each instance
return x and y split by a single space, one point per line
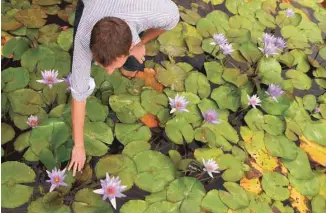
78 157
139 52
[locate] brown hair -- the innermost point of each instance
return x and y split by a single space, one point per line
111 37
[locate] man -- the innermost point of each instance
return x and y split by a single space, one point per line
107 31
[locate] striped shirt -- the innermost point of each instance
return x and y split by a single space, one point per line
140 15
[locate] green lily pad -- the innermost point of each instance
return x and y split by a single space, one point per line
322 53
117 165
7 132
197 83
41 58
234 76
299 167
275 186
25 101
156 197
189 192
280 146
134 206
309 187
318 204
127 133
233 167
232 5
8 23
55 205
235 198
190 16
227 96
15 194
16 46
269 70
22 141
300 60
214 72
163 206
254 119
51 10
65 39
206 27
266 19
273 125
153 101
201 154
135 147
178 130
46 2
31 18
152 48
14 78
299 80
250 52
315 131
172 76
220 19
58 94
239 36
96 136
275 108
95 110
212 202
155 171
48 34
309 102
87 201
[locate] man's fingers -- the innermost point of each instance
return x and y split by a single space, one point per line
70 165
80 166
74 169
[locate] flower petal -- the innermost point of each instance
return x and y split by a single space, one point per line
113 202
99 191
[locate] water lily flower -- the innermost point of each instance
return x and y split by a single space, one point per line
268 38
280 43
50 78
274 91
111 188
68 81
211 116
57 178
219 39
254 101
179 103
226 48
289 12
317 110
269 49
210 167
32 121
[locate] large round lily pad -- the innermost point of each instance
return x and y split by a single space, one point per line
31 18
25 101
213 203
153 101
14 78
134 206
275 186
155 171
178 130
126 133
7 133
235 198
14 194
197 83
117 165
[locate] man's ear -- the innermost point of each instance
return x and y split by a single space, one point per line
132 45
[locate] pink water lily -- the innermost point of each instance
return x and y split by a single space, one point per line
57 178
274 91
179 103
32 121
210 167
112 189
68 81
50 78
211 116
254 101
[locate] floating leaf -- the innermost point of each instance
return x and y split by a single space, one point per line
232 5
309 187
234 76
22 141
126 133
155 171
269 70
43 205
135 147
314 131
163 206
227 96
87 201
188 191
148 76
65 39
153 101
172 76
41 58
275 186
95 110
31 18
251 185
212 202
250 52
197 83
318 204
8 23
14 78
7 132
15 47
48 34
298 201
15 194
117 165
280 146
233 167
235 198
25 101
134 206
214 72
178 130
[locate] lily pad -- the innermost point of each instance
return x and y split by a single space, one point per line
155 171
95 110
275 186
269 70
234 169
48 34
227 96
41 58
134 206
280 146
178 130
234 76
13 174
31 18
309 187
16 47
65 39
7 132
43 205
299 80
135 147
189 192
127 133
213 203
250 52
236 197
314 131
171 76
15 78
87 201
25 101
197 83
214 72
318 204
117 165
153 101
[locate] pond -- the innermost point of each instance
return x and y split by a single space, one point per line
245 81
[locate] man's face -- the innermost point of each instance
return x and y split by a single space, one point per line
119 62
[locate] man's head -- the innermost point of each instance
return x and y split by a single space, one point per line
111 40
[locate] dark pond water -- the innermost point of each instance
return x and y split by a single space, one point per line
159 140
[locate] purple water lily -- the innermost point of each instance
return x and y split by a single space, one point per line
274 91
317 110
68 81
254 101
219 39
211 116
50 78
289 12
226 48
57 178
32 121
272 45
210 167
112 189
179 103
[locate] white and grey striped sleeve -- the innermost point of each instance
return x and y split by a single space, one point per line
82 85
167 18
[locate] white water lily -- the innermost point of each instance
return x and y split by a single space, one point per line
254 101
178 103
32 121
210 167
50 78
